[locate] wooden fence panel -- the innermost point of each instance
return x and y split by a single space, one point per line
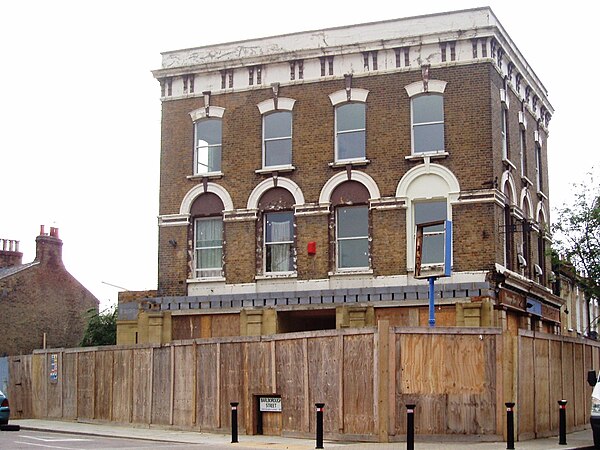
207 391
358 382
259 379
20 386
567 376
291 373
578 405
142 386
86 382
161 386
525 408
232 379
325 372
69 385
184 386
104 383
54 386
543 399
122 386
556 380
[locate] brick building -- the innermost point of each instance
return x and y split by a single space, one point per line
295 168
40 301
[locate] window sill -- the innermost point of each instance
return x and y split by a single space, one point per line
200 176
275 276
508 164
270 170
350 272
526 180
349 162
431 155
206 280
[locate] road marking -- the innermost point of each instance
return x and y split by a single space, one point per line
56 439
47 446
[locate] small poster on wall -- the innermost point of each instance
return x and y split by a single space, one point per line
54 367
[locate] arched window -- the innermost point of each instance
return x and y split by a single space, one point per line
206 212
351 216
275 233
509 230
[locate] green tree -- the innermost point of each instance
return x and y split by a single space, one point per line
577 234
101 328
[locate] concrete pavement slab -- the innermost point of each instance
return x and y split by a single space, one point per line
576 440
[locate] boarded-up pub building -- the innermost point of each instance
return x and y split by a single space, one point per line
295 171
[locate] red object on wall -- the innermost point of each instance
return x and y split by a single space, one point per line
311 248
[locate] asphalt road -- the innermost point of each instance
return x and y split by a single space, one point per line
39 440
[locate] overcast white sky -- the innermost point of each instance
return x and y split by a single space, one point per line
80 110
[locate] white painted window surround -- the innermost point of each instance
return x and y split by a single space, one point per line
425 183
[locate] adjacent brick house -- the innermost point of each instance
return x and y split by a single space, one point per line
40 301
295 168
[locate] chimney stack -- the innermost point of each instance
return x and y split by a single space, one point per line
9 253
48 247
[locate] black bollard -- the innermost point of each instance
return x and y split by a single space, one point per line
320 407
510 425
562 422
410 426
234 424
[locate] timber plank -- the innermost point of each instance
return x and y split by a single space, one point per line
183 402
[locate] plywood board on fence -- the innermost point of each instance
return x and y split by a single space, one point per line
260 368
587 396
272 423
432 363
104 382
86 379
225 325
525 408
290 372
207 404
184 398
543 394
358 382
142 385
186 327
161 386
324 374
232 382
122 385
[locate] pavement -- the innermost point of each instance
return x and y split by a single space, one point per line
577 440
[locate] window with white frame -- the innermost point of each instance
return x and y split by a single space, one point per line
279 241
523 140
350 131
277 139
208 247
538 167
431 211
504 132
427 112
352 237
207 138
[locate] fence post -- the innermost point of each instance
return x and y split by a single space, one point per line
510 425
410 426
234 423
562 422
320 407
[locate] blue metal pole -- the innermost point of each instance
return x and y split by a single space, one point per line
431 302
